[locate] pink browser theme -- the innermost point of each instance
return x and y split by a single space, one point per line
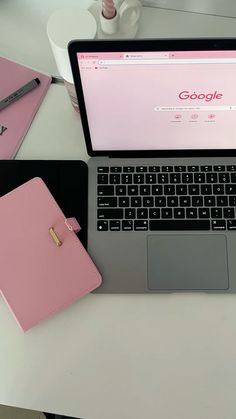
160 100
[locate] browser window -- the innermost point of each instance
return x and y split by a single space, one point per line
160 100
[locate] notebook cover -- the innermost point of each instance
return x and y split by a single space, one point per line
38 278
67 181
16 118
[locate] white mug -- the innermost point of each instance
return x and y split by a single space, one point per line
63 26
128 15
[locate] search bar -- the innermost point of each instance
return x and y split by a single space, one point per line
169 61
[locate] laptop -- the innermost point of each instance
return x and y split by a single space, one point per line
159 120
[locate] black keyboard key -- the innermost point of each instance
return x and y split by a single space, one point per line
132 190
145 190
157 190
108 201
169 189
175 178
116 169
222 201
114 178
167 169
180 168
142 213
155 169
209 201
151 178
231 168
115 225
232 201
231 224
148 201
103 169
193 189
130 213
224 178
141 169
216 212
160 201
179 213
110 214
218 189
128 169
219 168
206 168
166 213
154 213
199 177
193 168
184 201
187 178
181 190
162 178
233 177
102 179
121 190
136 201
106 190
206 189
124 201
172 201
211 177
139 178
218 225
127 225
126 178
204 212
230 189
102 225
229 213
174 225
191 212
140 225
197 201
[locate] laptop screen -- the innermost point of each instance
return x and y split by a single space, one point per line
160 100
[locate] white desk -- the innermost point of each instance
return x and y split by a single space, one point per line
113 356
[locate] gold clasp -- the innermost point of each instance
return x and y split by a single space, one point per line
54 236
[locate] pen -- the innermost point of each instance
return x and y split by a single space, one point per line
19 93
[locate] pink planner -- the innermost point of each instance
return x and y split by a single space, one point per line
43 265
16 118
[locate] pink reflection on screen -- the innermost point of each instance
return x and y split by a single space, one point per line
160 100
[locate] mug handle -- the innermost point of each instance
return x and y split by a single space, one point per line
130 12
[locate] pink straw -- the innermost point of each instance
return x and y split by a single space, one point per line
108 9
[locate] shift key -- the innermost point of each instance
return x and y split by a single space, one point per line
110 214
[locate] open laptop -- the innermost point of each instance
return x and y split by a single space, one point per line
159 119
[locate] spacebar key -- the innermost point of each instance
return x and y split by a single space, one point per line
169 225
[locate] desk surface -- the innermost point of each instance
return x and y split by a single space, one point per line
113 356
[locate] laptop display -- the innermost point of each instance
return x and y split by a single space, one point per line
160 100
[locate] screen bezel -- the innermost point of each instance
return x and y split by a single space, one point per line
80 46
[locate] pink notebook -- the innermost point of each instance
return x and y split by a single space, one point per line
39 275
16 118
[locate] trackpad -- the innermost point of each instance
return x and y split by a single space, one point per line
187 262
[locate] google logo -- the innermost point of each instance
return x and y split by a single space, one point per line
201 96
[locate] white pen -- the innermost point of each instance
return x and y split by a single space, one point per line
19 93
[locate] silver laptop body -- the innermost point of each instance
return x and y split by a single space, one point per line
159 123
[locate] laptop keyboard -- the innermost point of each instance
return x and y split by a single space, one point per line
162 198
